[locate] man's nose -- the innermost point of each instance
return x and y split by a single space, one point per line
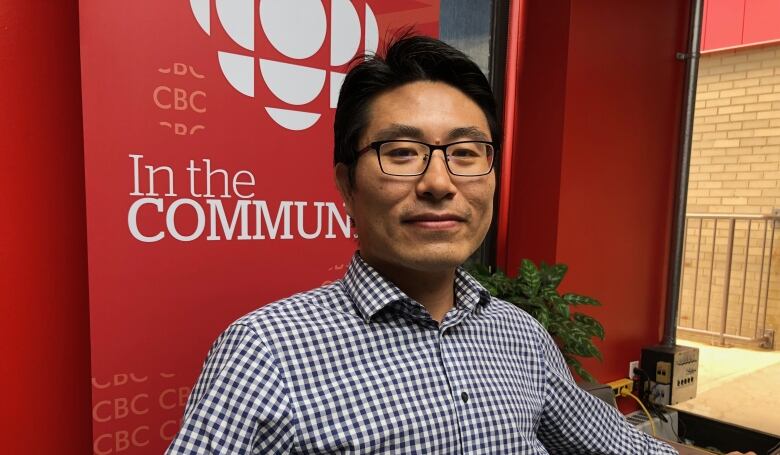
436 182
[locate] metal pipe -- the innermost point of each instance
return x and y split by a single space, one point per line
724 315
682 277
696 276
683 165
744 277
761 278
712 275
768 275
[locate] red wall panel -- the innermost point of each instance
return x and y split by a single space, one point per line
762 21
723 22
617 176
538 135
609 172
737 23
43 282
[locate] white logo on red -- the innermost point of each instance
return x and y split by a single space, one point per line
297 29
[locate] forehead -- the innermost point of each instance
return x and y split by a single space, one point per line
435 108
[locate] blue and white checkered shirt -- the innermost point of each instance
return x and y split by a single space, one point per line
358 367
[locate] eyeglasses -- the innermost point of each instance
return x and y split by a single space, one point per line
410 158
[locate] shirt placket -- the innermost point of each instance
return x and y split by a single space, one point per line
458 398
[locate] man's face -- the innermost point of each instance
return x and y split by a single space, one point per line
431 222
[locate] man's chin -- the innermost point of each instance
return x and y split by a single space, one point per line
422 257
435 261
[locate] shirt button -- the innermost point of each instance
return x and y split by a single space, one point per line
464 396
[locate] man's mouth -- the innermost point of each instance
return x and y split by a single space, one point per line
435 221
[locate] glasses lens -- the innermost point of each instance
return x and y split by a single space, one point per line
470 158
403 158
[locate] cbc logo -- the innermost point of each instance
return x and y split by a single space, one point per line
297 29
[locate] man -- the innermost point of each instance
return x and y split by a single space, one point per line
407 353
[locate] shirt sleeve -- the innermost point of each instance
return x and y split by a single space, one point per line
574 421
240 404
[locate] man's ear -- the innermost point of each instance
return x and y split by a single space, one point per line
341 176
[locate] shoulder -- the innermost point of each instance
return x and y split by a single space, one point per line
502 310
268 335
325 305
526 330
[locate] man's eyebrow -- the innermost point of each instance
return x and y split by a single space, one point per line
468 132
398 131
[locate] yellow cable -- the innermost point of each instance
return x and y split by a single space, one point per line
626 393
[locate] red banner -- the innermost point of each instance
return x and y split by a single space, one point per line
208 150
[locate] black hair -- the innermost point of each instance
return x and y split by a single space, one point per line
407 58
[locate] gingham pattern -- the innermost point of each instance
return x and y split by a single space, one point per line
359 367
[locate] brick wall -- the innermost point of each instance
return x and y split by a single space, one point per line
735 169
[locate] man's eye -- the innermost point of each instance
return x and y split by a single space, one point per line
402 153
464 153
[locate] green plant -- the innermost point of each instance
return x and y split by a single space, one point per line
536 292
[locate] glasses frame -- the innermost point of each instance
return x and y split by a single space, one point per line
376 145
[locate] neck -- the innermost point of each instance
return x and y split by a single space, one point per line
435 290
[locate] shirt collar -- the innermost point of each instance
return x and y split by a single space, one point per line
371 292
469 293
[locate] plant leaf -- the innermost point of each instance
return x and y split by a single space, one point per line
535 291
549 293
556 273
591 325
563 308
577 299
530 281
